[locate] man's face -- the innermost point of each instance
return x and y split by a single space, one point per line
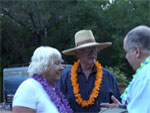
130 55
88 55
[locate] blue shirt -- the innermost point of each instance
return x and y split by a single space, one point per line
138 95
108 87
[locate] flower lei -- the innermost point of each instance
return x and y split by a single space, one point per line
124 95
95 91
54 94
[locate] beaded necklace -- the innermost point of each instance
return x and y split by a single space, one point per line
124 95
54 94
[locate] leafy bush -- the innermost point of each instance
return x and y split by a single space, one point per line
120 76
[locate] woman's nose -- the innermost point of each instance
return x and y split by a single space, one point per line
61 67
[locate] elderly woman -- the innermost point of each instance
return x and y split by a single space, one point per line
39 93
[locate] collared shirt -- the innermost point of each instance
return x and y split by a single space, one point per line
138 96
108 87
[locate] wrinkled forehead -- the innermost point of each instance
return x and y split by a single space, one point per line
126 46
125 42
57 57
88 48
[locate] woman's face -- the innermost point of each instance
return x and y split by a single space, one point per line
54 71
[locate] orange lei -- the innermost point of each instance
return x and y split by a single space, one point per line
95 91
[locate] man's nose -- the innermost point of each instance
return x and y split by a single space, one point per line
93 51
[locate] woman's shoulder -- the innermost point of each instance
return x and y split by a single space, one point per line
30 83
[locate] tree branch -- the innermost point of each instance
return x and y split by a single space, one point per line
19 49
5 10
31 16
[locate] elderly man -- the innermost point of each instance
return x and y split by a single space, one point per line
87 84
137 49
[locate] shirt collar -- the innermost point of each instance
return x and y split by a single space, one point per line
147 61
80 69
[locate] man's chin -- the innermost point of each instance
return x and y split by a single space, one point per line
92 60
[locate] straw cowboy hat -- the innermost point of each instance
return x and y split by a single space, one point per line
85 39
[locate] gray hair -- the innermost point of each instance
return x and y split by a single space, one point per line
139 36
42 58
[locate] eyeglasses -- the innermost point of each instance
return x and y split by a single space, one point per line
90 49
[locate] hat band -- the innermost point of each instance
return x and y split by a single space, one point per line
86 41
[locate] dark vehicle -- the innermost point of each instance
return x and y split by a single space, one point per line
12 78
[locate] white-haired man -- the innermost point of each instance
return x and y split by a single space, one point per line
87 84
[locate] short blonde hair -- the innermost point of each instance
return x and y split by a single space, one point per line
42 57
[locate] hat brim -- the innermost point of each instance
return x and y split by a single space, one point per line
99 46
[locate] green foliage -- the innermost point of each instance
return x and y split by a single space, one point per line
28 24
120 76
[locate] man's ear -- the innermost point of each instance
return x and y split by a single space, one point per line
137 51
77 54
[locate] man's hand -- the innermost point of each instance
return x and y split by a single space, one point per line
115 103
